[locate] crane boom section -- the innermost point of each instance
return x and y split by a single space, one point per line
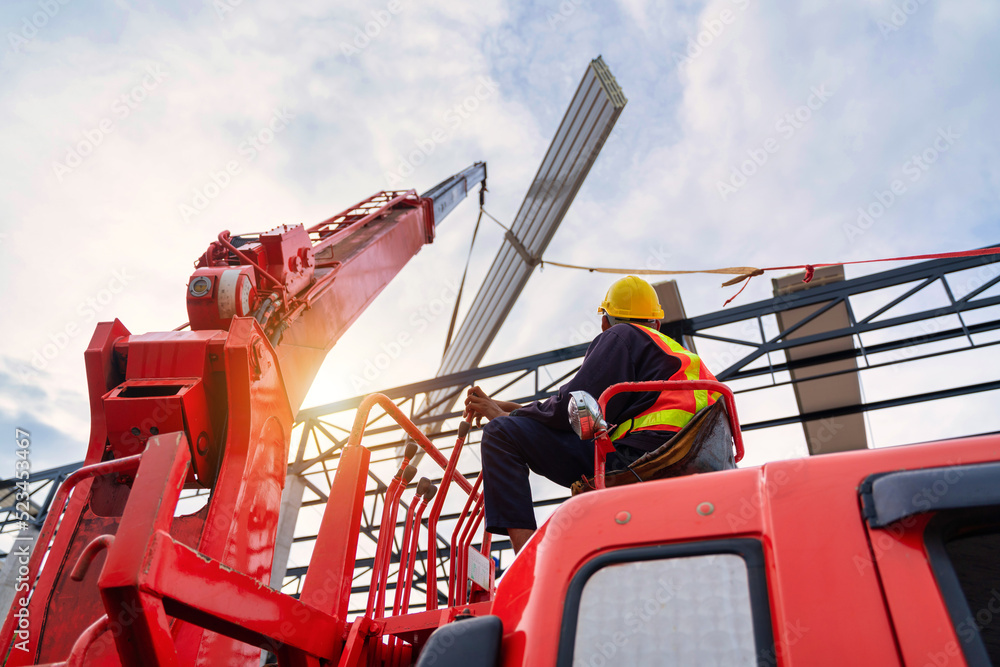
217 402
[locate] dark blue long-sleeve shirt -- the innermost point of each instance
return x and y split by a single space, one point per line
623 353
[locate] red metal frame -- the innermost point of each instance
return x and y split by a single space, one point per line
462 556
456 556
411 561
48 530
380 570
397 415
334 228
408 553
421 624
331 570
149 575
245 381
432 521
404 552
407 561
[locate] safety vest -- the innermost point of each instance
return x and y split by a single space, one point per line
672 409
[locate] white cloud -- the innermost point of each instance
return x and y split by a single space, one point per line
357 116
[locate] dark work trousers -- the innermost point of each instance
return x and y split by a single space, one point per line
513 445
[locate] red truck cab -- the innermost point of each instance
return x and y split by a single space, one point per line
879 557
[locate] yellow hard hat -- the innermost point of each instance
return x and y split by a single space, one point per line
632 298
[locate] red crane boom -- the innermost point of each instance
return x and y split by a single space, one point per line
209 407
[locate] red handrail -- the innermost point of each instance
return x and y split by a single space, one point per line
432 520
384 402
404 550
465 544
375 607
414 548
464 520
383 554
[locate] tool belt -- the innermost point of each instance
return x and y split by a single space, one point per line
705 444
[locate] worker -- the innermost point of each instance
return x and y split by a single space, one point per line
538 436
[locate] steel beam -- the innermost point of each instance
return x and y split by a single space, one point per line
588 121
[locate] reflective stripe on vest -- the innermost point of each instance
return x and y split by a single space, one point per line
672 408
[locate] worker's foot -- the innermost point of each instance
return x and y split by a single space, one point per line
518 536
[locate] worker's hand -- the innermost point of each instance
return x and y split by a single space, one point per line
478 405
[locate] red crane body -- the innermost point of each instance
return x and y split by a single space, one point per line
884 557
214 407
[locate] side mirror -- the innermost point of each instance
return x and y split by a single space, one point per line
585 415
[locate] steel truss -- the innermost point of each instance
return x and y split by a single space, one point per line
904 315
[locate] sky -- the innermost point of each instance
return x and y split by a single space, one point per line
755 134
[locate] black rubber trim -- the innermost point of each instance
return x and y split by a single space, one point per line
465 642
891 496
940 529
749 549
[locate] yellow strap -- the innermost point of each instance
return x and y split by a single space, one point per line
621 430
672 417
741 271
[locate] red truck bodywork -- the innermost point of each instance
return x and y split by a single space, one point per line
839 592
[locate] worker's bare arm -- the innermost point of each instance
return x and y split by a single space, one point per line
478 405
